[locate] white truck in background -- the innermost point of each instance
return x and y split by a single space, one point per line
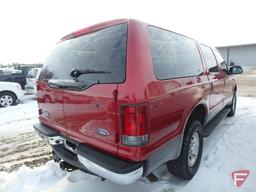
10 93
33 75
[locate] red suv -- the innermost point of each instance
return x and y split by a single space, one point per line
120 98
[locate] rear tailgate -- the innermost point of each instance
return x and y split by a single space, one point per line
89 102
90 116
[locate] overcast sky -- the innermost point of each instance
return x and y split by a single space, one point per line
29 29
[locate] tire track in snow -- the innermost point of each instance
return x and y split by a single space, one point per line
23 149
18 120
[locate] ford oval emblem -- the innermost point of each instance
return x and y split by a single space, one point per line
102 131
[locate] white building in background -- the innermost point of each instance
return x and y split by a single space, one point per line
244 55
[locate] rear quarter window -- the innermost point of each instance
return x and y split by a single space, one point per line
174 55
103 50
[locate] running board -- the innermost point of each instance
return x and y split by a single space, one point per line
215 122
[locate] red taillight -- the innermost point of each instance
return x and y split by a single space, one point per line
134 125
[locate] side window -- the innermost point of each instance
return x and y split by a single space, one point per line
210 59
221 61
173 55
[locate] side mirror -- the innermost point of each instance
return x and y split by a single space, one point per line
236 70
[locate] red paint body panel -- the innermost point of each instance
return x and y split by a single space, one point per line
78 114
88 110
51 104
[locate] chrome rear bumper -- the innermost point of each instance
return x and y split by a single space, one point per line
87 159
123 179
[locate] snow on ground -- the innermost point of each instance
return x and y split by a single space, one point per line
19 144
231 147
18 119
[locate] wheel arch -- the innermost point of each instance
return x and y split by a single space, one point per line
8 91
199 112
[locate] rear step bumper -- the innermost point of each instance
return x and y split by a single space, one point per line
89 160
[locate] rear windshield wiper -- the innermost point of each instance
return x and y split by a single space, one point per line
75 73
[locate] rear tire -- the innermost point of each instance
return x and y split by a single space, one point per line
7 99
185 166
233 106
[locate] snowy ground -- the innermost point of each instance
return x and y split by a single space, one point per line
19 144
231 147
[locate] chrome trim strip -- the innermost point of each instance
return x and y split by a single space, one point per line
123 179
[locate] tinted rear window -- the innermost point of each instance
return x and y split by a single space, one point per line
174 55
103 50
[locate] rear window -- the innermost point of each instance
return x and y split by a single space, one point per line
103 50
174 55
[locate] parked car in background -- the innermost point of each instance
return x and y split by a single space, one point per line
13 76
33 74
10 93
121 98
